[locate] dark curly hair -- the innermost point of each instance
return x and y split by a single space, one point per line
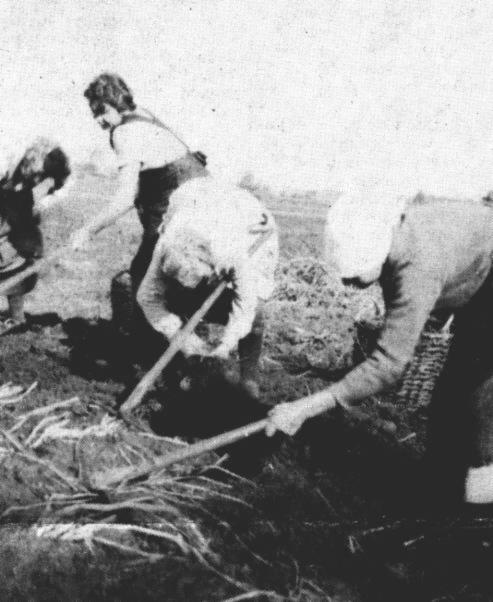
57 166
111 89
43 159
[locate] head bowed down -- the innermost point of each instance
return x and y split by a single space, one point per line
207 237
42 159
187 258
359 230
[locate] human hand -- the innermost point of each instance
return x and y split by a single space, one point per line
289 417
286 417
251 387
168 325
194 345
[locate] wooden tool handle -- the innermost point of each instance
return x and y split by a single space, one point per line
197 449
229 437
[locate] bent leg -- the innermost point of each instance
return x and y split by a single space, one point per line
479 480
16 296
140 343
149 344
249 349
16 307
142 260
122 302
448 452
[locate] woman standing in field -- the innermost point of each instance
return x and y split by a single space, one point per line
25 185
431 255
152 162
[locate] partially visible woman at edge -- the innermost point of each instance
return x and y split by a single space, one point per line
435 254
27 184
152 160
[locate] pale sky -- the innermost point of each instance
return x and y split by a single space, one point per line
304 95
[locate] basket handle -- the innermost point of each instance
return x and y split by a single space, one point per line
448 324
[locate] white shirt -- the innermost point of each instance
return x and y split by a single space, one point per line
146 143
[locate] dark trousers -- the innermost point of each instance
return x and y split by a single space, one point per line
143 343
142 259
460 428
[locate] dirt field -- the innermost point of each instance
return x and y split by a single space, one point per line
328 515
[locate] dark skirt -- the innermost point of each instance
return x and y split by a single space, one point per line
17 209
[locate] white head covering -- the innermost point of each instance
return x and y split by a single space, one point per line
216 212
358 233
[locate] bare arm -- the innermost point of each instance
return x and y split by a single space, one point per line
41 194
151 296
123 202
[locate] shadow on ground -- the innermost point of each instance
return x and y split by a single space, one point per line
329 514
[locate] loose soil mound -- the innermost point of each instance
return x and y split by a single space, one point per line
307 303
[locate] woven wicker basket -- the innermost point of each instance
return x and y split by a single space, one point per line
420 377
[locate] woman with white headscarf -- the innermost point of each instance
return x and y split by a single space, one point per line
431 255
207 236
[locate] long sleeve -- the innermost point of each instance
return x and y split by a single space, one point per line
151 296
17 208
253 275
410 297
243 313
